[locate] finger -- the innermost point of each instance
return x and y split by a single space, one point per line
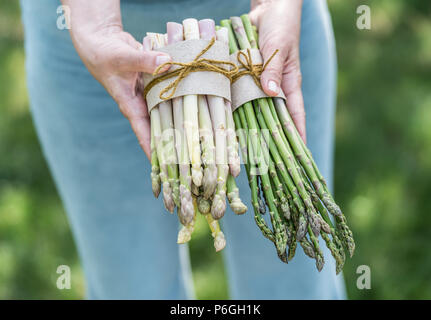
295 105
272 75
139 60
291 86
256 9
135 110
254 15
141 128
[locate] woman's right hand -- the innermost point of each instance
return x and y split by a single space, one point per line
114 58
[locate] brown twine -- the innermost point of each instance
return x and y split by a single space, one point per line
197 64
202 64
254 70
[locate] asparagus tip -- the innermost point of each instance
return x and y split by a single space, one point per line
186 213
235 168
308 250
283 257
155 184
302 230
324 226
204 206
167 197
219 241
218 206
185 234
320 262
235 202
175 183
238 207
197 176
209 181
351 248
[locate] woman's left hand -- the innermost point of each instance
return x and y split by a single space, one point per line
279 23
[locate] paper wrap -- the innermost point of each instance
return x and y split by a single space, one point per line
202 82
244 89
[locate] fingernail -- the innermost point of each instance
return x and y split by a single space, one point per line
161 60
272 85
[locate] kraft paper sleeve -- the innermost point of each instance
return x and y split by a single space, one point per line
202 82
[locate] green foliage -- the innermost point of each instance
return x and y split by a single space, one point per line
383 147
34 234
382 163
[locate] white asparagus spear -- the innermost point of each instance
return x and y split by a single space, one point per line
156 127
235 202
185 233
168 138
231 140
191 31
207 31
232 143
218 117
218 235
210 170
209 181
186 212
204 207
155 166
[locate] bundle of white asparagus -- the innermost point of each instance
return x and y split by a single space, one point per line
194 148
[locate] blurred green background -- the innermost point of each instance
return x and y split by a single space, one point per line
382 175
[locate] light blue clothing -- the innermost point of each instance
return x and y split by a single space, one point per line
125 238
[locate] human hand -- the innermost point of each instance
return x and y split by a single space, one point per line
114 58
279 23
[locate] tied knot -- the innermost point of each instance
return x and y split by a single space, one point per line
226 68
248 68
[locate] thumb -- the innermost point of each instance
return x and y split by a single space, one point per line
271 76
138 60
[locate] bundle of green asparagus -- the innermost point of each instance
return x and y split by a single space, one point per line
281 167
194 150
